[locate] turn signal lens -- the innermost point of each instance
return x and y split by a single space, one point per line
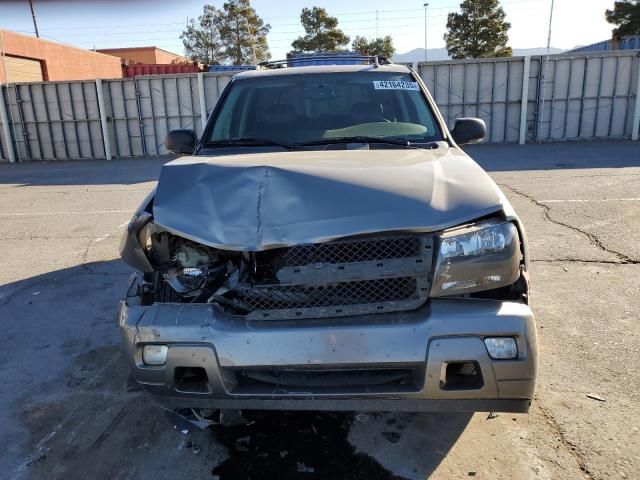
501 348
155 355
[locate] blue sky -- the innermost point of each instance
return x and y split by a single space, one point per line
122 23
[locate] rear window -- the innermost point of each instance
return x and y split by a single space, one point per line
312 107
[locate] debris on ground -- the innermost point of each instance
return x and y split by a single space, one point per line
232 418
593 396
492 415
242 444
278 441
302 468
393 437
363 418
195 449
183 419
565 269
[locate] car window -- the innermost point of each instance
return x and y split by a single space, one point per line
301 108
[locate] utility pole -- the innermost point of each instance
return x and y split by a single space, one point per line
33 15
544 79
425 31
549 35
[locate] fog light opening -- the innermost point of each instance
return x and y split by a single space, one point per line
501 348
462 376
191 380
155 355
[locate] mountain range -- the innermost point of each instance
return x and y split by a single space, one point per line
439 54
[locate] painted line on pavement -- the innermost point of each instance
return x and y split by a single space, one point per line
591 200
107 235
86 212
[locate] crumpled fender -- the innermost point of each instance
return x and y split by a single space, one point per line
133 238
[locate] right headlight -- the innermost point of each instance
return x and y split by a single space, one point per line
475 258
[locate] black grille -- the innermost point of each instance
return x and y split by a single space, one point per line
350 277
347 251
275 381
280 297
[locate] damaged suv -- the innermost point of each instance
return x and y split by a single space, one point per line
327 245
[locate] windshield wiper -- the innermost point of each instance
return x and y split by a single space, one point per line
254 142
366 139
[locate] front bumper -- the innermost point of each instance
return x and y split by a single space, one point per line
423 341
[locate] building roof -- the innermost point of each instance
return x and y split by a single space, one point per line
31 38
138 49
111 51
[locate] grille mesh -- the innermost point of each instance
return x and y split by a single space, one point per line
279 297
357 276
349 251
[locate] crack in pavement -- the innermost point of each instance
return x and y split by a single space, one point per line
623 259
571 447
580 260
48 237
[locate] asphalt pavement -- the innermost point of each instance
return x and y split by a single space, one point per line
69 410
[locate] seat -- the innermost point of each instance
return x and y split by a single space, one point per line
276 120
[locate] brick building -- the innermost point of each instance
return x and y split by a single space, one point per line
29 59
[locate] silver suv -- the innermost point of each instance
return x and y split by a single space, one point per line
327 245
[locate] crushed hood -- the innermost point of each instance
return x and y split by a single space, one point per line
268 200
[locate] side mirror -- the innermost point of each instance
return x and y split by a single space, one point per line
468 130
181 141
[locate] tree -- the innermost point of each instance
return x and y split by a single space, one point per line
201 39
235 34
322 34
626 15
243 33
382 46
478 31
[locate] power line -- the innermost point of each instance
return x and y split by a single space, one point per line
283 33
276 36
292 17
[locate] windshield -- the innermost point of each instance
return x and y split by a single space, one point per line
310 108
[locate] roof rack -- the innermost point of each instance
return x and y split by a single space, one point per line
325 59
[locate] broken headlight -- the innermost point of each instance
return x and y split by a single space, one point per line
187 279
193 267
475 258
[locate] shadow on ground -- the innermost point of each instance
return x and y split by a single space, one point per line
555 156
69 408
492 157
325 445
124 171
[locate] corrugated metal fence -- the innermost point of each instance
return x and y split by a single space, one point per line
69 120
561 97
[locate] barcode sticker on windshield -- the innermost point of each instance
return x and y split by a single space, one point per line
395 85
